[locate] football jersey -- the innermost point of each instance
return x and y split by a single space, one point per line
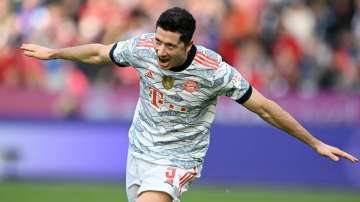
176 108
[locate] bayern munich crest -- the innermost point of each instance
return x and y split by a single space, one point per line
191 86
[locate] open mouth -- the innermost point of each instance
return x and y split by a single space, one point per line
163 62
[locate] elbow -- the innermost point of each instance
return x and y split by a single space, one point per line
264 110
96 57
96 60
264 115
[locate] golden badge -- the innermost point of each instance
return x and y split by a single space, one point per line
168 82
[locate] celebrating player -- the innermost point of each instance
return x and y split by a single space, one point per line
179 86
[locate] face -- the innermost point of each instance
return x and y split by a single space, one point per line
170 51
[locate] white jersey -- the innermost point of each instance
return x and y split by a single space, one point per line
176 108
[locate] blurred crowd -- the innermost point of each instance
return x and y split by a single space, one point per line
280 46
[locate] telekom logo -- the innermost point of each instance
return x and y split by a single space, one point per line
157 101
157 97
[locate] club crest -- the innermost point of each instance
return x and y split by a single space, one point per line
191 86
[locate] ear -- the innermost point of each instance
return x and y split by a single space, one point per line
189 45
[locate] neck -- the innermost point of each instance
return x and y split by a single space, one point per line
187 60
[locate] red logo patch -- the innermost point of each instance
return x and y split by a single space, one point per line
149 74
191 86
170 175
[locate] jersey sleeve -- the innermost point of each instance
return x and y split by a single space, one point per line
229 82
121 52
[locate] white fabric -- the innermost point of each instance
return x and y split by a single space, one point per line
171 127
146 176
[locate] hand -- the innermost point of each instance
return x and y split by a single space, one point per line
333 152
37 51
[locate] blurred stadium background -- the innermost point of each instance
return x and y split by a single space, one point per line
63 125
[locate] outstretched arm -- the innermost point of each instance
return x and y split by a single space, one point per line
272 113
90 53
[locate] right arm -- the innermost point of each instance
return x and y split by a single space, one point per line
90 53
272 113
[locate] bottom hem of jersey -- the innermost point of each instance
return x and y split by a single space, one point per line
163 161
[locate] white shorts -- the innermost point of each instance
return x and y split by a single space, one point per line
146 176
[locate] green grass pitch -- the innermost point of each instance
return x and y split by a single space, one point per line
93 192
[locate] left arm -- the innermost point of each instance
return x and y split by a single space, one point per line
272 113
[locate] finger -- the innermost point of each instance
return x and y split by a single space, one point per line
29 53
28 50
26 47
23 45
350 158
345 155
332 156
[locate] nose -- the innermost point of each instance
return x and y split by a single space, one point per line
161 51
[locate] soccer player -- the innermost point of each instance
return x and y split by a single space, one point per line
179 86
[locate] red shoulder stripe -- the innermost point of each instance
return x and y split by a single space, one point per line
146 40
145 43
207 58
205 63
145 46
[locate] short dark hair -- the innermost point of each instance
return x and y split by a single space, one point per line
178 20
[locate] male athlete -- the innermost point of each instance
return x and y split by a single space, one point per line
179 86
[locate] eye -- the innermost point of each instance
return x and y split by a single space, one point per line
157 42
170 47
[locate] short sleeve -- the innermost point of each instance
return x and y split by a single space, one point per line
121 52
232 84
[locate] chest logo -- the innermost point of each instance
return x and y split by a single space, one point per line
149 74
167 82
191 86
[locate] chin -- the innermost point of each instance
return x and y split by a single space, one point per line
165 67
